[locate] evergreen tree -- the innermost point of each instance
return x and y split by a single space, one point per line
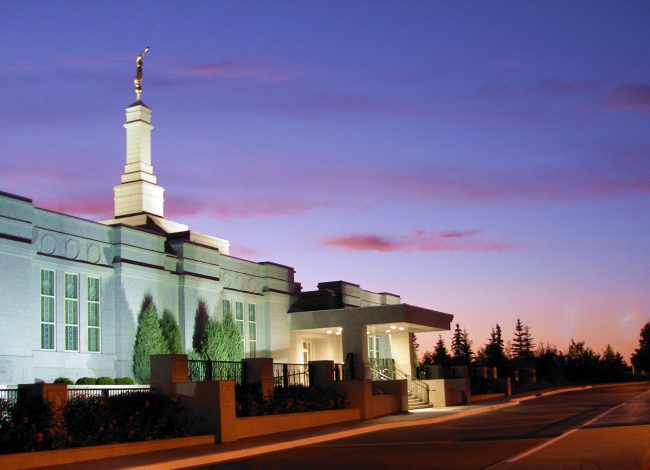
522 345
612 366
223 340
549 363
148 340
495 354
440 355
171 332
201 320
232 339
641 356
461 347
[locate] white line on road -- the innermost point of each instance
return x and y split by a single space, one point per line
571 431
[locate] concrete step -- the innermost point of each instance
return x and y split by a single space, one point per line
420 406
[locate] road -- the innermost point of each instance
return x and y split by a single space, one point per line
598 437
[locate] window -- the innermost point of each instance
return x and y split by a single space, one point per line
47 309
252 330
307 348
373 347
239 317
71 289
226 308
94 314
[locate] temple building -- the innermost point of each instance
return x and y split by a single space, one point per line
71 289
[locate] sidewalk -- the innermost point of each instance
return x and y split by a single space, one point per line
217 453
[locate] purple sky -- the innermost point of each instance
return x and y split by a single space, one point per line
486 159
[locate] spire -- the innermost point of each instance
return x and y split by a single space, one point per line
138 192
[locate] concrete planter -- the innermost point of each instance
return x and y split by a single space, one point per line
271 424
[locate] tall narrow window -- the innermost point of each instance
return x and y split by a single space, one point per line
252 330
239 318
373 347
71 288
94 312
226 308
47 309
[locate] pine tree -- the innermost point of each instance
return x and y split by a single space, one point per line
171 332
494 352
201 320
440 355
456 342
522 345
641 355
149 340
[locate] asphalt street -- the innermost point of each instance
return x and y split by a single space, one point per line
598 437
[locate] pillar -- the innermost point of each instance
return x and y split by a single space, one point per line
355 342
259 371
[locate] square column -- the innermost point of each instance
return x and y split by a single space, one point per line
355 342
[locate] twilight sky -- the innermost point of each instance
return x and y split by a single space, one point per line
485 159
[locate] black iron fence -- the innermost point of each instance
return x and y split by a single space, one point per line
290 374
384 369
104 392
201 371
9 394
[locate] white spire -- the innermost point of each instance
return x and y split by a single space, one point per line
138 193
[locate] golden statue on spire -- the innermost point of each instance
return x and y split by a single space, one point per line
138 73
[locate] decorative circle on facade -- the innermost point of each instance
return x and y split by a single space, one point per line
239 283
252 285
72 249
48 244
226 280
93 253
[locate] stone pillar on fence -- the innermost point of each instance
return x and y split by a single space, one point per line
56 395
321 373
168 368
460 372
259 371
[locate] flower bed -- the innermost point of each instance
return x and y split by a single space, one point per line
291 399
86 421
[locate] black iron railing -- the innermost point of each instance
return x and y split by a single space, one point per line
290 374
104 392
201 371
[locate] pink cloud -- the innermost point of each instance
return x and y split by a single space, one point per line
244 252
635 96
97 208
419 241
238 69
242 209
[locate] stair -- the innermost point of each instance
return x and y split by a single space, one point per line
416 404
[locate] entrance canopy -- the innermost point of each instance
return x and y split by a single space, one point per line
377 319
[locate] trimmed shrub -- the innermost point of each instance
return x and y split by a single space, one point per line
124 381
63 380
105 381
125 418
86 381
171 332
292 399
148 340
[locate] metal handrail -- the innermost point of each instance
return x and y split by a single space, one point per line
415 387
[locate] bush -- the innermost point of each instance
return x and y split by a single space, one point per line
63 380
86 381
125 418
27 428
105 381
171 332
124 381
292 399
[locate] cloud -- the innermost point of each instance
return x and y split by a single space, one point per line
419 241
633 96
553 87
94 62
247 209
239 69
95 208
